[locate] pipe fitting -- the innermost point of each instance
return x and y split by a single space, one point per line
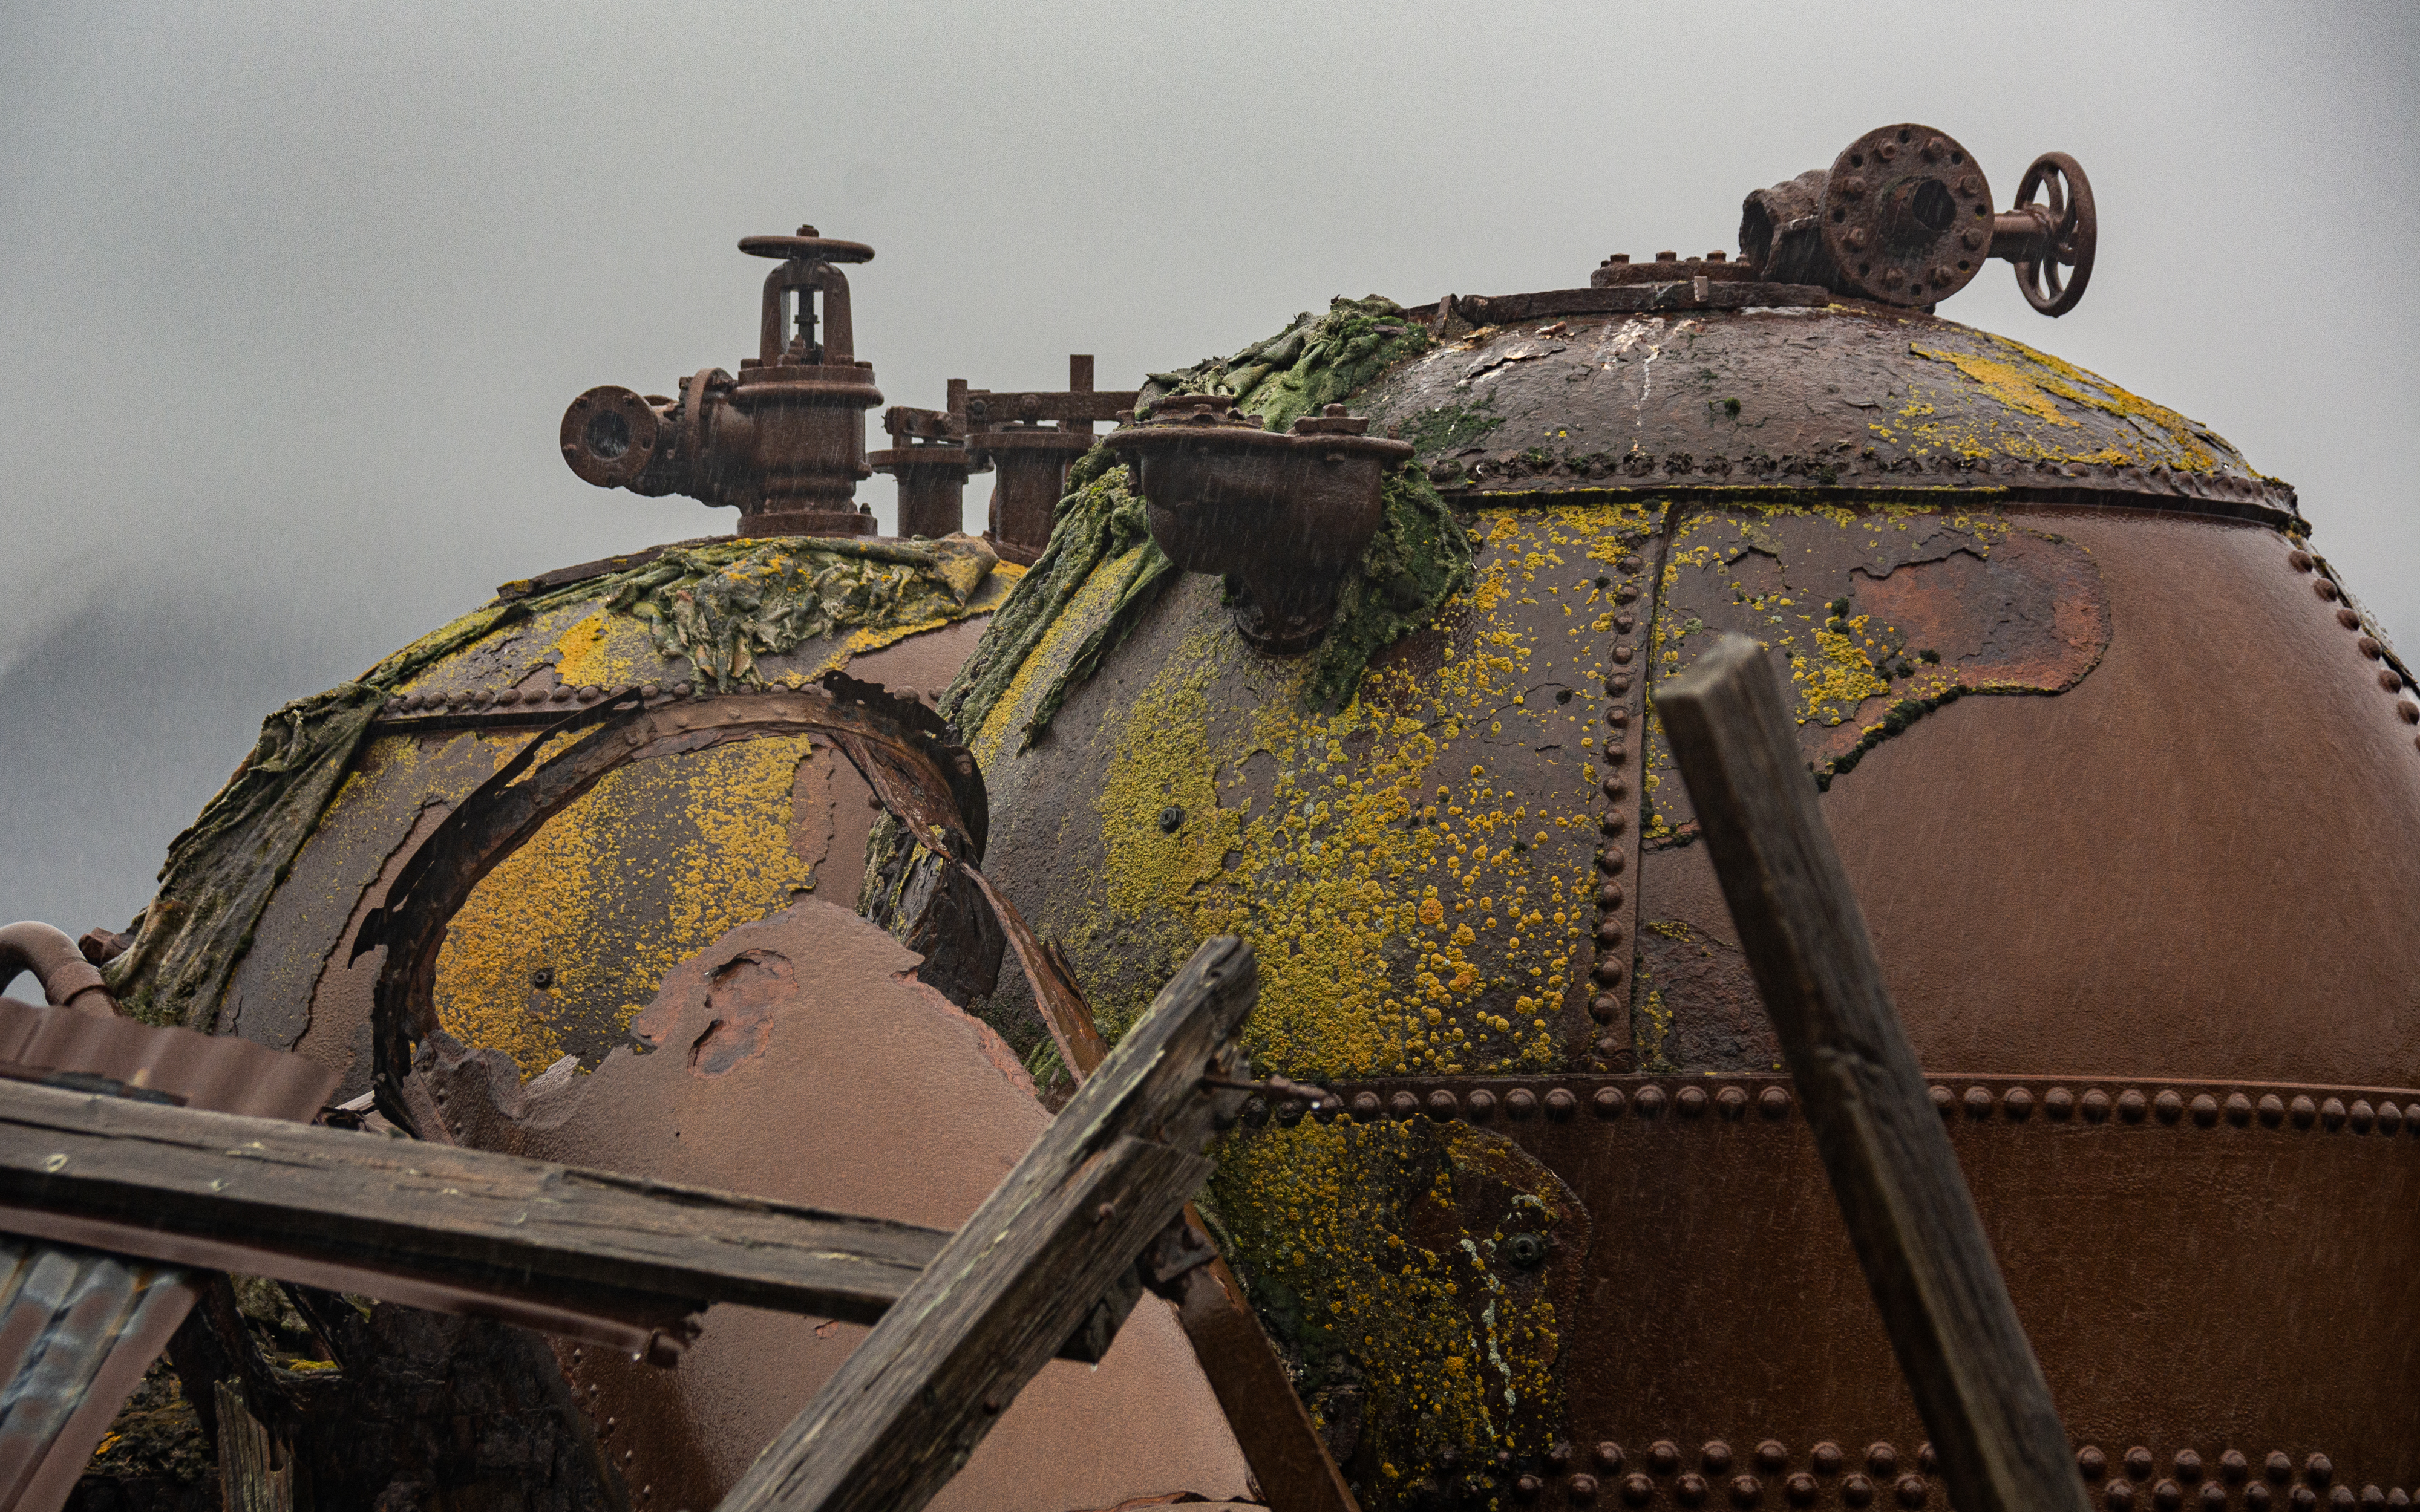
69 981
1282 514
784 441
1904 217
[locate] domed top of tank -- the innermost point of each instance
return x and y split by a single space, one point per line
1812 359
1787 396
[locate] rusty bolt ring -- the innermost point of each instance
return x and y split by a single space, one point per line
1882 1459
2362 1114
609 436
1893 261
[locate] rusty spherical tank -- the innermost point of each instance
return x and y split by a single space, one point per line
2125 781
570 935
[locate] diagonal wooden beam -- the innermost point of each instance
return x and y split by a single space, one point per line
905 1412
613 1258
1977 1383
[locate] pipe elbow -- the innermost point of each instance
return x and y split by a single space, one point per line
69 981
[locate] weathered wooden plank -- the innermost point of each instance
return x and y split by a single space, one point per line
908 1407
1977 1383
1279 1442
410 1220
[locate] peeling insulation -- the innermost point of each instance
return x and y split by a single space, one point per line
1099 523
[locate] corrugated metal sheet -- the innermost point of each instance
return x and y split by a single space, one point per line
77 1330
215 1071
78 1327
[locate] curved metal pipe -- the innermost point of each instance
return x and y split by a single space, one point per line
69 981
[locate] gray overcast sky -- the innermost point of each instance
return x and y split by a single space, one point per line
293 295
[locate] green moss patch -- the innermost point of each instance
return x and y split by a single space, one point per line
1317 361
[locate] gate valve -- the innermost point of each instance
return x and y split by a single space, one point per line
1904 217
784 441
930 459
1013 431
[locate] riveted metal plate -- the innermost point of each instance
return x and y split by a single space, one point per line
1716 1238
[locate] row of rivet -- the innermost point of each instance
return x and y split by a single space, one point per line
1607 1002
561 696
1693 1100
1664 1459
1506 468
1690 1488
2349 617
2233 1470
2170 1106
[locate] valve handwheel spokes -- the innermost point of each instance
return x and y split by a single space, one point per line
2053 278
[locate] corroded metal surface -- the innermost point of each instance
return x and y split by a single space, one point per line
2069 880
1032 438
922 776
776 1025
1419 870
1283 512
2119 770
1722 1305
1795 400
554 953
2090 831
929 458
784 441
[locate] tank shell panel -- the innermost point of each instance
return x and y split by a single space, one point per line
1846 396
563 942
2132 801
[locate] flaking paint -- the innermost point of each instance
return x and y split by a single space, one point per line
656 862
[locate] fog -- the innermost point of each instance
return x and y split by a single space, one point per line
292 297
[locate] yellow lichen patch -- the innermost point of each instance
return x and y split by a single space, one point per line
2004 381
1833 658
1389 1257
1409 867
591 660
650 866
2026 386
